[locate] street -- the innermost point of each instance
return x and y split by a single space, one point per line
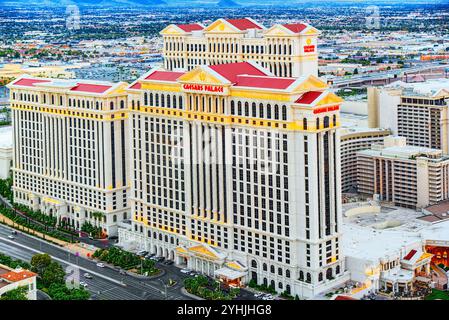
107 283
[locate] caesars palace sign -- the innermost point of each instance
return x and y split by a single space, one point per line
204 88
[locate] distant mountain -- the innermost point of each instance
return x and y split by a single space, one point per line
228 4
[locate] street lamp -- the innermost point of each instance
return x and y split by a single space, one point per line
165 287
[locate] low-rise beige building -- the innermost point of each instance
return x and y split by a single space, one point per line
11 279
408 176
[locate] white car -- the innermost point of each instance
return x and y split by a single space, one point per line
83 284
87 276
186 271
11 237
100 265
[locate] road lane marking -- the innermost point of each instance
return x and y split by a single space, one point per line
64 261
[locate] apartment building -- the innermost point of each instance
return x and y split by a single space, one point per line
352 141
235 174
286 50
70 150
416 111
408 176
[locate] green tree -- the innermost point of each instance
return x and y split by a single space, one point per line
40 262
16 294
53 274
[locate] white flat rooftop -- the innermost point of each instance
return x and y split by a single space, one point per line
371 244
6 137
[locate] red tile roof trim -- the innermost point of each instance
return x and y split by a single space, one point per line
243 24
91 88
164 76
296 27
190 27
264 82
14 276
410 255
231 71
136 86
29 82
309 97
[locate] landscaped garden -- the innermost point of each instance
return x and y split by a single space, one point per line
127 261
51 279
438 295
209 289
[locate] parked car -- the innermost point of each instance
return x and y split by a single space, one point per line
100 265
14 232
186 271
83 284
142 253
11 237
87 275
122 272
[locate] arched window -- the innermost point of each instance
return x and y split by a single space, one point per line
280 271
97 105
288 289
253 109
174 102
145 99
329 274
265 282
246 109
151 99
320 277
326 122
280 285
261 108
301 276
180 102
284 112
337 270
162 100
309 278
239 108
268 111
272 269
122 104
287 273
254 263
264 267
317 123
276 112
334 120
111 105
133 104
156 98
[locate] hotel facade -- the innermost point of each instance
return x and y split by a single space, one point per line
408 176
286 50
70 150
236 174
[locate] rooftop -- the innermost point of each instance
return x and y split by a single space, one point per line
429 88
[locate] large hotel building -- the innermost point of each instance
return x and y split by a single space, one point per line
416 111
70 140
234 170
236 174
286 50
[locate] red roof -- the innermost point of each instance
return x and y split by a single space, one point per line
15 276
91 88
29 82
243 24
295 27
230 71
164 75
137 86
190 27
264 82
309 97
344 298
410 255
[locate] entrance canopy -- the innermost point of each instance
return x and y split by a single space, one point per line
229 274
